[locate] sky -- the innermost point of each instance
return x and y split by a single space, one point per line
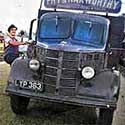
20 13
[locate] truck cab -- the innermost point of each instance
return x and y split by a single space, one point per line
74 59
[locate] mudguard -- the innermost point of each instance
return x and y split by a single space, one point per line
20 70
105 84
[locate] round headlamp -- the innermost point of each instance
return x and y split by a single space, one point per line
34 64
88 72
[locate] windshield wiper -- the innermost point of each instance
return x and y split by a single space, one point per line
90 28
57 21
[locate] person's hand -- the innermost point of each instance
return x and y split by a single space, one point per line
24 43
30 42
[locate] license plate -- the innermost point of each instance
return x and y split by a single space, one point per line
29 85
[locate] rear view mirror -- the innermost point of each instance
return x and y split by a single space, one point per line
33 30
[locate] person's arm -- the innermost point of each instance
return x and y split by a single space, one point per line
16 43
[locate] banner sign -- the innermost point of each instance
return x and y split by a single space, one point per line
109 6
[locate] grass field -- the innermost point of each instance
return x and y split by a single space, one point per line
1 47
44 113
39 113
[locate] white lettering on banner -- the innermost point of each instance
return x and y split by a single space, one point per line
94 2
50 2
64 1
99 3
104 4
81 1
110 4
115 4
88 1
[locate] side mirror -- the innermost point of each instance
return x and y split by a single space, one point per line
33 29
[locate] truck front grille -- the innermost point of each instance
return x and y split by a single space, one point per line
61 73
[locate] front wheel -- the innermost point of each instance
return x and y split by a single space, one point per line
105 117
19 104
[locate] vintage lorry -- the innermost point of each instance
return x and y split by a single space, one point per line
74 59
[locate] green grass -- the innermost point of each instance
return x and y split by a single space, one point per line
38 113
1 47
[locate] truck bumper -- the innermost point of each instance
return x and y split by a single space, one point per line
73 100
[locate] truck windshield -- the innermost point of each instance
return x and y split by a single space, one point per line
88 33
55 28
74 31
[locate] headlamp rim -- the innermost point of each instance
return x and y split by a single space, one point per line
92 69
37 62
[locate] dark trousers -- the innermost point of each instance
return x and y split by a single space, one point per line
9 58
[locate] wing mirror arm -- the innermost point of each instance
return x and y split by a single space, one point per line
31 29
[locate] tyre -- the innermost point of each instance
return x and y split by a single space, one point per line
19 104
105 117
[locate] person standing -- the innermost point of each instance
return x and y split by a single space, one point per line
11 51
22 34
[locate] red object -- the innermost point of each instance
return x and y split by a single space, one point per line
15 43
